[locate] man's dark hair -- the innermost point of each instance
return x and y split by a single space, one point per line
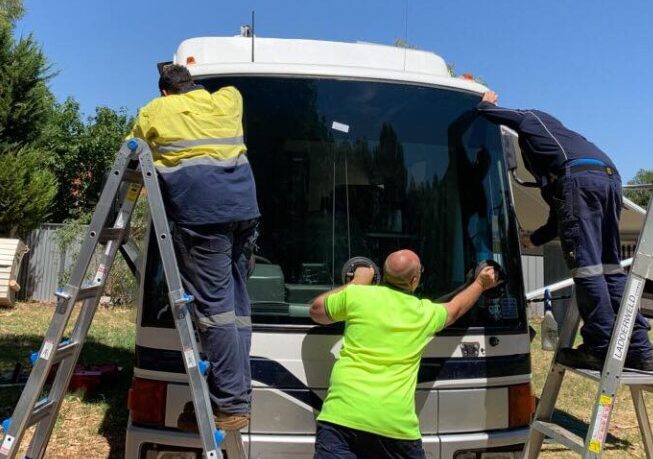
174 79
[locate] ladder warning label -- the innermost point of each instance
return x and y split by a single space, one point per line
601 425
46 352
190 358
6 445
626 324
132 194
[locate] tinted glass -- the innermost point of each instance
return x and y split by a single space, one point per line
346 168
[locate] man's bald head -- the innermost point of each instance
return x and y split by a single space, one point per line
402 269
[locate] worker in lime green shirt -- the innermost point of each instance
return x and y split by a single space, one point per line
369 410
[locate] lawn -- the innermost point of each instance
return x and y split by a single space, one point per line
89 425
93 425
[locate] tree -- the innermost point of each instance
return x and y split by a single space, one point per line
27 187
82 154
25 100
11 11
641 197
26 191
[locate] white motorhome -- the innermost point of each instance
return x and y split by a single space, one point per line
357 149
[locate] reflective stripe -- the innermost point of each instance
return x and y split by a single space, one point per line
613 269
243 321
596 270
204 160
587 271
216 320
186 144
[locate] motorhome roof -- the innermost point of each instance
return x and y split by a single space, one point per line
276 56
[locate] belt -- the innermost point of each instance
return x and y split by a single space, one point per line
580 165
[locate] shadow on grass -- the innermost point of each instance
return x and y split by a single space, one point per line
579 427
113 393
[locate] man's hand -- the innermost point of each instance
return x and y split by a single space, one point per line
364 275
525 239
488 278
490 97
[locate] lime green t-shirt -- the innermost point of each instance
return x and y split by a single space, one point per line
373 381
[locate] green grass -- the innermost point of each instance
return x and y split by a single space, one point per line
90 424
93 425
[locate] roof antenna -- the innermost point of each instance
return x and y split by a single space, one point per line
253 34
406 33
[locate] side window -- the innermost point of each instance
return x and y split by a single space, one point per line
156 312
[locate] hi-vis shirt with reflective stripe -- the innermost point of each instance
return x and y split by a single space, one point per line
196 123
197 144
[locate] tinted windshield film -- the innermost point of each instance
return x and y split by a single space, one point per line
346 168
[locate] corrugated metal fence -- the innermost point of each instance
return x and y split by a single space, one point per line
44 265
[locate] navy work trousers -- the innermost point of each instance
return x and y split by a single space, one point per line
213 261
588 206
333 441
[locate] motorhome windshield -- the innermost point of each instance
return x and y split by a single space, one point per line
346 168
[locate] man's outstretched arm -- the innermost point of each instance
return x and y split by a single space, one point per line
487 279
506 116
362 276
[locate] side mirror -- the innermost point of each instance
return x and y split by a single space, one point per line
509 142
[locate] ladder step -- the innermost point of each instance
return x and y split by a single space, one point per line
132 176
89 292
63 352
560 435
628 377
82 293
42 410
111 234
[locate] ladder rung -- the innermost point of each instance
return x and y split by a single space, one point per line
628 377
132 176
89 292
64 352
590 374
111 234
42 409
560 435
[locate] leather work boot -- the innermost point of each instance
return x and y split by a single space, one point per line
187 422
226 421
639 363
581 357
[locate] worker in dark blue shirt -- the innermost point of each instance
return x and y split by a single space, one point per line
583 189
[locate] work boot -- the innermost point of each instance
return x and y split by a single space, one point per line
581 357
187 422
642 363
227 422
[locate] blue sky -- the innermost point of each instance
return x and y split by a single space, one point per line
588 62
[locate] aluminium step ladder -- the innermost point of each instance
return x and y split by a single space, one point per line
613 374
132 170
